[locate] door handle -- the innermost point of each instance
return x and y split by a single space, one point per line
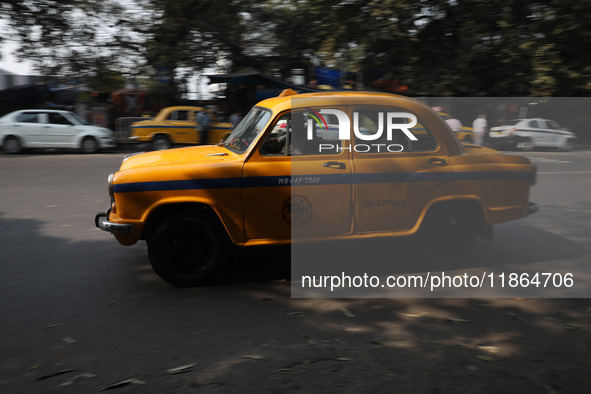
436 160
334 164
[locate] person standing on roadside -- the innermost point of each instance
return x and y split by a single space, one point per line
480 126
454 123
203 122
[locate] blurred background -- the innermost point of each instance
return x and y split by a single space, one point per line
117 58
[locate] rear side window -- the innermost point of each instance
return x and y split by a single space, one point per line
28 117
372 125
534 124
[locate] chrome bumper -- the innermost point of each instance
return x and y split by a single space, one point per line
100 220
530 209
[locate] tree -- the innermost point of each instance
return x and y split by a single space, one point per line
484 48
76 40
437 47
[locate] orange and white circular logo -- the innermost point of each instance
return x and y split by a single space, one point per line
297 210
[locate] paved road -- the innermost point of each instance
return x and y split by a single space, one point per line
79 312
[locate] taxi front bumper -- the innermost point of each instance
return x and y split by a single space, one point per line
100 221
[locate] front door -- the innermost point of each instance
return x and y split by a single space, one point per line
182 126
293 190
59 131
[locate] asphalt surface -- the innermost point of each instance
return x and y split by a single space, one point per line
80 313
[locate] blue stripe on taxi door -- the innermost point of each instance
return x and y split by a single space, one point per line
322 179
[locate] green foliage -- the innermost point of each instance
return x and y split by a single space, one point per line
436 47
69 39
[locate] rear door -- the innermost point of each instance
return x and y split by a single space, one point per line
394 178
28 125
538 132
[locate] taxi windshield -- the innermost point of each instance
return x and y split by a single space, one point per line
247 131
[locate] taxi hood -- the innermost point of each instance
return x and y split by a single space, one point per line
168 157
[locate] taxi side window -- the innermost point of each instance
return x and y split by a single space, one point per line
552 125
315 134
300 134
277 142
55 118
28 117
372 125
179 115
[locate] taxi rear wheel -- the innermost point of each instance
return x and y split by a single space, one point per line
450 232
186 250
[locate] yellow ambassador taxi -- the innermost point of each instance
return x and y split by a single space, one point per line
309 167
177 125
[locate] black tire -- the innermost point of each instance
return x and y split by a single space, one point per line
161 142
187 249
12 146
526 144
89 145
450 232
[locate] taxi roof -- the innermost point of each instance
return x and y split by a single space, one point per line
360 98
284 100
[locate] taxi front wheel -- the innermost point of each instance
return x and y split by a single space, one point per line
186 250
161 142
89 145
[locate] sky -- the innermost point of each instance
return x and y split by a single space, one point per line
9 63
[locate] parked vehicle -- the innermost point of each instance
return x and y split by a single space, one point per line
318 166
41 128
528 134
177 125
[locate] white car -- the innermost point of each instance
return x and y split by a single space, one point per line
530 133
44 128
